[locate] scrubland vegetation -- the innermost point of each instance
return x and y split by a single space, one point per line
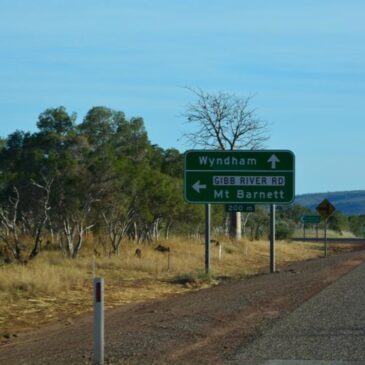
78 198
52 287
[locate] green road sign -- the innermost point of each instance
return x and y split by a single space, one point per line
246 208
264 176
311 218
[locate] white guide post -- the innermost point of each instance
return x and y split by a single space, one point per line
99 321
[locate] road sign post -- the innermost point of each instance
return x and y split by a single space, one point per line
263 176
325 209
317 232
325 237
272 238
207 238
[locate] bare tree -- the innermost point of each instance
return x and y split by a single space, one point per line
9 230
75 226
117 222
44 216
226 122
14 222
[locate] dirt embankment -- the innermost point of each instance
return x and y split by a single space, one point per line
204 327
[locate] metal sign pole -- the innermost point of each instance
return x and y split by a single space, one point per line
325 209
272 238
325 237
317 232
207 238
99 321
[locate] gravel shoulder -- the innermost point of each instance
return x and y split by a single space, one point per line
328 327
204 327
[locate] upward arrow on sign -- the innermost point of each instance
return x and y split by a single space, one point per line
273 160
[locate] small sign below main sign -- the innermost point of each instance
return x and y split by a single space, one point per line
243 177
311 219
244 208
325 209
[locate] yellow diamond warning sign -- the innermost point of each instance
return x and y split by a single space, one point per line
325 209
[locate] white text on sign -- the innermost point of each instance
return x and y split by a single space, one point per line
248 180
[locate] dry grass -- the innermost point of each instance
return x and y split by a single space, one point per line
312 233
53 288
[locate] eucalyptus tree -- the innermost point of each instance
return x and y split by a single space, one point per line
119 158
257 223
23 206
224 121
338 222
57 121
48 181
100 124
173 163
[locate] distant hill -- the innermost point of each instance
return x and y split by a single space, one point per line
348 202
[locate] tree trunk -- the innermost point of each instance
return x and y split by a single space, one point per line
37 244
244 220
78 245
167 229
135 232
38 239
235 231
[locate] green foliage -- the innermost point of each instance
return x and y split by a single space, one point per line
292 212
357 225
257 223
56 120
104 175
338 222
284 230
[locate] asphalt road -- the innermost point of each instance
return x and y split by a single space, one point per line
328 329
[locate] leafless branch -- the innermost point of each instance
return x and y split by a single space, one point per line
223 121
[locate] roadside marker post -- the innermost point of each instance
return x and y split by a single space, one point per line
99 321
219 252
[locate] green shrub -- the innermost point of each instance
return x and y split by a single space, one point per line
284 230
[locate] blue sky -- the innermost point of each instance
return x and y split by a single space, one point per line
303 60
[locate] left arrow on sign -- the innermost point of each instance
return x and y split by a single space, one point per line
197 186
